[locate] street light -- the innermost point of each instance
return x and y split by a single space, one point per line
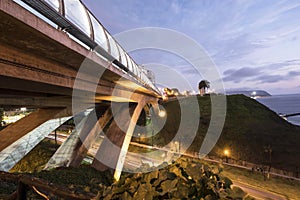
152 137
226 153
161 113
177 144
268 150
139 137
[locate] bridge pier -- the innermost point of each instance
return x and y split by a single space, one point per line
92 129
113 149
22 127
115 145
75 148
63 154
21 137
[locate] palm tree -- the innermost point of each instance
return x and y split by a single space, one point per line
202 86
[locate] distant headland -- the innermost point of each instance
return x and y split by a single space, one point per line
250 93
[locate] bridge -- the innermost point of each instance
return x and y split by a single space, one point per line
55 54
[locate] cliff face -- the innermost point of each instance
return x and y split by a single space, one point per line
250 128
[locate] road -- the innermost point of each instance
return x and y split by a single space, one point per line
61 138
258 193
211 160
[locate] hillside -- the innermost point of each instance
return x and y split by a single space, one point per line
249 128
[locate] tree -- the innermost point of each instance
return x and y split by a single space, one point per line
202 86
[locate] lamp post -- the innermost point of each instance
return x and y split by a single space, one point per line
177 146
163 156
152 138
161 113
268 150
226 153
55 137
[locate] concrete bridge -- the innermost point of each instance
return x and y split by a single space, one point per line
52 52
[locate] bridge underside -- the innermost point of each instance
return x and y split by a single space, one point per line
39 60
39 68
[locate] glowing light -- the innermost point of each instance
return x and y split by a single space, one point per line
226 152
162 113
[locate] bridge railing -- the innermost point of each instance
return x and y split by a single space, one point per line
73 17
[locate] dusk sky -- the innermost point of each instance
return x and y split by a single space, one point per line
254 44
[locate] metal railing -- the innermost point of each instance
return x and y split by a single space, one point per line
73 17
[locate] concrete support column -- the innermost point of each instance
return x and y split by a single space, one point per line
12 154
115 145
17 130
90 131
64 153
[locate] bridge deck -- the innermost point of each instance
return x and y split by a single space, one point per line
39 60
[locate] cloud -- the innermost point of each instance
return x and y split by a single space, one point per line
175 7
228 30
267 73
241 74
270 78
277 78
253 41
294 73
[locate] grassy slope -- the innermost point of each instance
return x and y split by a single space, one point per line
36 159
248 128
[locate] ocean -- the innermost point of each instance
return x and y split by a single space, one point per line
285 104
